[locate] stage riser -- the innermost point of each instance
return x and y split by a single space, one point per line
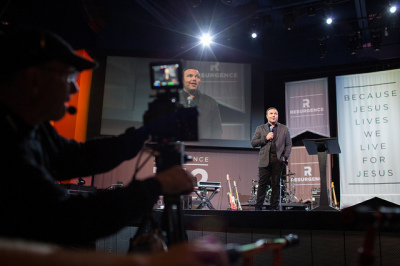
316 247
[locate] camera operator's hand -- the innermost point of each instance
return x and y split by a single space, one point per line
175 181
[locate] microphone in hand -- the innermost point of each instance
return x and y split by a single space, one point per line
271 129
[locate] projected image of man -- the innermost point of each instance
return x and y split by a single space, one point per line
209 118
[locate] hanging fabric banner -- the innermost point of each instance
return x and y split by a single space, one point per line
368 112
307 107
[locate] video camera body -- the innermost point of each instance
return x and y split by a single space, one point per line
170 123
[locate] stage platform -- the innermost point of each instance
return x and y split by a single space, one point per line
326 237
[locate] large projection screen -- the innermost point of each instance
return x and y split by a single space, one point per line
127 95
368 112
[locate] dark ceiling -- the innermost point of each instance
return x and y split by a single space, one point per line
292 34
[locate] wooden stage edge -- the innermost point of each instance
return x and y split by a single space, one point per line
220 220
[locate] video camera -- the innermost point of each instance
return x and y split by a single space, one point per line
168 119
170 123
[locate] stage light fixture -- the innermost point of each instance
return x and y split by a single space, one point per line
329 13
206 39
258 22
392 9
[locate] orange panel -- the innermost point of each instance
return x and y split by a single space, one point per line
75 126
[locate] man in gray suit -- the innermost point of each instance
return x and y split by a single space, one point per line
276 145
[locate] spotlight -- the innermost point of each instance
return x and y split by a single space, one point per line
329 13
392 8
258 22
206 39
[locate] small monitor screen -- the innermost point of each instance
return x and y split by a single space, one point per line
166 75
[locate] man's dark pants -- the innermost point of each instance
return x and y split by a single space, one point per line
270 174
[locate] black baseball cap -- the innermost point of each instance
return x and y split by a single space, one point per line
22 47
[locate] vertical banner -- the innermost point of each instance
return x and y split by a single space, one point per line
307 107
368 111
